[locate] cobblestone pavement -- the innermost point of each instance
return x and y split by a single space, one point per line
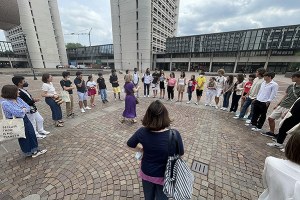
88 158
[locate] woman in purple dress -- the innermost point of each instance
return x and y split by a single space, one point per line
130 100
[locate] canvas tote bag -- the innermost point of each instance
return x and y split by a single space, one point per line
65 96
179 179
11 128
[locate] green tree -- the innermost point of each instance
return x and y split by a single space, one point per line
73 45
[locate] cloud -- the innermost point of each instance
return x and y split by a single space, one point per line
201 17
80 16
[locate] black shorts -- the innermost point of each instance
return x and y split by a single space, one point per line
162 85
199 93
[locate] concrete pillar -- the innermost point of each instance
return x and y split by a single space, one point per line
211 60
268 58
189 65
154 60
171 63
236 61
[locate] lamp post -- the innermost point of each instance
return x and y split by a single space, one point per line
28 57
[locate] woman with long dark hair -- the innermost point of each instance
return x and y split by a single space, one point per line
228 87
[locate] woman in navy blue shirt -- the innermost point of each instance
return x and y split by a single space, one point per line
154 138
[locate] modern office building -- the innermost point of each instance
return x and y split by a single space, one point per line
101 55
140 28
273 48
38 32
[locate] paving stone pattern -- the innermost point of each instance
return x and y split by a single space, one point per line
88 158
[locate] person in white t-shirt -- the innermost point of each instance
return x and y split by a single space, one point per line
52 99
92 91
136 80
281 178
220 80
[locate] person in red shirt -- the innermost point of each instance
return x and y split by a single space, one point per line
247 88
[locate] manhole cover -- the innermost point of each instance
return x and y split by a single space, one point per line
200 167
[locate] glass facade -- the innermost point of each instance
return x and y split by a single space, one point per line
95 52
276 38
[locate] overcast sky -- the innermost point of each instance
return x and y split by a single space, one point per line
195 17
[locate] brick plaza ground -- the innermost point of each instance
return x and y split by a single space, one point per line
88 158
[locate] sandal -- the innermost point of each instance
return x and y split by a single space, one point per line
59 125
133 121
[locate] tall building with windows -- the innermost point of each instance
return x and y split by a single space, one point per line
140 29
39 33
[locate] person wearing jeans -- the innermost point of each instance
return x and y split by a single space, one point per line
170 86
228 87
102 88
265 96
147 78
152 141
52 99
252 95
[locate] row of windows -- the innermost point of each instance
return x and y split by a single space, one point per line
92 51
167 6
263 39
15 30
5 46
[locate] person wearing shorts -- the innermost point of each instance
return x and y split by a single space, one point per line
113 79
200 86
81 92
220 86
280 110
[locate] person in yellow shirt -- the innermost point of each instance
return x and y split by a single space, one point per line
200 86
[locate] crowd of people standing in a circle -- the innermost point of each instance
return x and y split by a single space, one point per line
250 99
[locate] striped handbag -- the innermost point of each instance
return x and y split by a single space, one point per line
179 179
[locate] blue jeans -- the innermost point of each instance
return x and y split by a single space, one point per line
103 94
226 99
246 105
153 191
55 108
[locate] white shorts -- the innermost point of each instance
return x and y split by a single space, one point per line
154 86
219 92
279 112
82 96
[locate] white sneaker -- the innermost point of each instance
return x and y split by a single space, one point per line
38 153
276 145
39 136
171 100
148 96
256 129
248 121
45 132
87 108
82 110
216 107
144 95
206 104
196 103
188 102
245 117
236 117
282 150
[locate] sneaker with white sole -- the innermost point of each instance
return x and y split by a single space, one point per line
206 104
45 132
82 110
268 134
87 108
256 129
282 150
216 107
248 121
276 145
39 136
188 102
196 103
236 117
38 153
